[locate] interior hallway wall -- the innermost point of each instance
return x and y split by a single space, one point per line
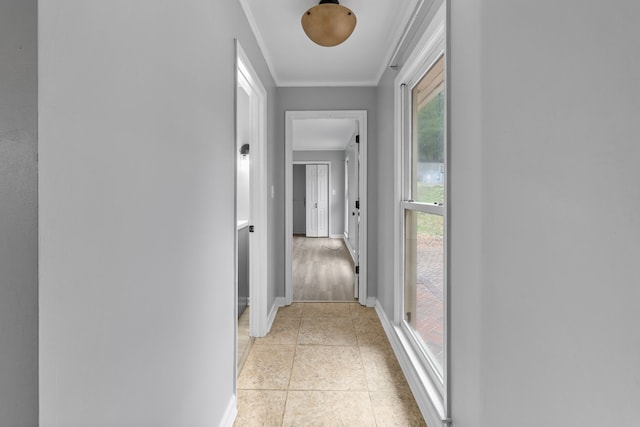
383 181
336 185
544 220
137 163
18 214
299 199
336 98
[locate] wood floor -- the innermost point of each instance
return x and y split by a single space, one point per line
322 270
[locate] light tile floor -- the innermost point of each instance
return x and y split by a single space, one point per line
325 364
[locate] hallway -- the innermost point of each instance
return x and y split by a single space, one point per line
322 270
325 364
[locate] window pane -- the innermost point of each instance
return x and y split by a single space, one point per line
424 282
427 183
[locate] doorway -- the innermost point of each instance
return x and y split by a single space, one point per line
251 204
357 208
322 266
311 182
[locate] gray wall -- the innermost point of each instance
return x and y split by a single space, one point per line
336 159
544 291
137 161
18 214
299 197
383 181
337 98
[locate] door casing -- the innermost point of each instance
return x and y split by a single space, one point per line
360 116
258 316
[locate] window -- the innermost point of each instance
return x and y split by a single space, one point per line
422 195
424 207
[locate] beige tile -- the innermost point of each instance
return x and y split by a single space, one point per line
328 409
268 367
359 311
260 408
293 310
327 331
382 369
326 309
327 368
369 332
283 331
399 409
342 372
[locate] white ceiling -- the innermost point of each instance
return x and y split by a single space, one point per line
322 134
294 60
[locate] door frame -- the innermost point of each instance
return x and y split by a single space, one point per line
353 251
360 116
258 314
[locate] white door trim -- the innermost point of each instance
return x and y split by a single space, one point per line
360 116
258 316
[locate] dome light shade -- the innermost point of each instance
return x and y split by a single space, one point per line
328 24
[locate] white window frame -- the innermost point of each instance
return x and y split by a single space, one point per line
428 50
427 208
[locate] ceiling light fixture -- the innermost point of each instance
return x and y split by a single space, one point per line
328 24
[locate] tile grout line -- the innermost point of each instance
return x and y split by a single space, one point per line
366 377
356 317
293 361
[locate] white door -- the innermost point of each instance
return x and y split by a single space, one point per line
317 200
353 206
356 230
323 200
312 201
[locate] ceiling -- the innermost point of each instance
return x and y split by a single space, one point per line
322 134
294 60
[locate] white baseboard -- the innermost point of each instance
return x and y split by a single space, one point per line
230 413
352 252
277 303
426 394
372 301
336 236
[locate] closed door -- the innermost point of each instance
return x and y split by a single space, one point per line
353 207
317 200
